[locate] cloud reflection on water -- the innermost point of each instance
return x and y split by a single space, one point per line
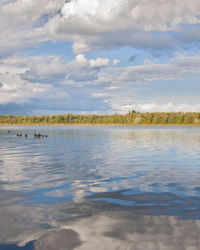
91 226
118 188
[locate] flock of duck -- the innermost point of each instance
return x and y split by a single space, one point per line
35 135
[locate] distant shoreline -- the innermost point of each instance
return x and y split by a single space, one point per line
111 124
131 119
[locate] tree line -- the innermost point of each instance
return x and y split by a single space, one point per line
132 118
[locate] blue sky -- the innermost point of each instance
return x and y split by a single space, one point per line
100 56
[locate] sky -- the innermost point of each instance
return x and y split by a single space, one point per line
99 56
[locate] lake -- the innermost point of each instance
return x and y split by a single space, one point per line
100 187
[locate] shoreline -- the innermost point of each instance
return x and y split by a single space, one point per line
130 119
99 124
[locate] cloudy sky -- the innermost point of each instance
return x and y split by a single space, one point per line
99 56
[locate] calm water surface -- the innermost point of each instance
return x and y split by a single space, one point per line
86 187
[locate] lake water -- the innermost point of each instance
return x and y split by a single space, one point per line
100 187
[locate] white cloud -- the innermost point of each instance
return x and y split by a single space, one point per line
92 25
22 21
51 78
113 88
17 90
93 63
177 68
156 107
99 62
98 95
81 59
116 61
24 78
80 47
98 24
51 69
144 15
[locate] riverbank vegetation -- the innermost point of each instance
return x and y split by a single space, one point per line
132 118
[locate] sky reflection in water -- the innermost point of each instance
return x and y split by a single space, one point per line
121 183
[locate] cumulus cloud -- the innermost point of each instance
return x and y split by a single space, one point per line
93 63
22 22
18 91
81 59
51 69
14 88
145 15
99 62
92 25
44 69
146 24
49 78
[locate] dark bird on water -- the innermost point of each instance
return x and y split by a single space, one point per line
39 135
